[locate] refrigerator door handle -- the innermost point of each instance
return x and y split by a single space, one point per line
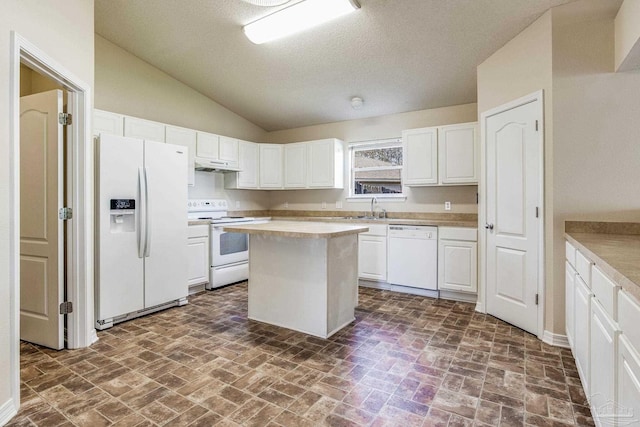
141 235
147 221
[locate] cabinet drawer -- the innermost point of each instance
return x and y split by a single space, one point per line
198 231
458 233
375 230
570 253
629 317
605 291
583 267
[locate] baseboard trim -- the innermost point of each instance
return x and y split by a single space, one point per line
480 307
7 411
93 336
556 340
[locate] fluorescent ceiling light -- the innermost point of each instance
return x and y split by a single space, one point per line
298 17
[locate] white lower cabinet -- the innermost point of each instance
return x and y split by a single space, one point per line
582 331
198 255
628 396
569 294
603 350
372 253
458 259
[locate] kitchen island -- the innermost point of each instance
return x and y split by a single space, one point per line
303 275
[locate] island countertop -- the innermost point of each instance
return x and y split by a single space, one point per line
299 229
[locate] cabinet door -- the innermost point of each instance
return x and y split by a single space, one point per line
420 156
270 166
582 322
228 151
295 165
185 138
458 154
106 122
372 257
458 266
143 129
207 145
603 350
198 260
628 398
324 167
569 283
249 164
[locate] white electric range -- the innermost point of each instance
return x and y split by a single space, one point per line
228 252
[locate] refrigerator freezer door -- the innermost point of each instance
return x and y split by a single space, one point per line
120 287
166 261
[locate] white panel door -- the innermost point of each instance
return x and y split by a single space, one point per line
165 264
372 257
569 299
186 138
603 351
107 122
458 153
228 151
295 165
270 166
198 260
249 163
458 266
143 129
120 175
420 156
582 337
628 398
207 145
321 172
41 232
513 187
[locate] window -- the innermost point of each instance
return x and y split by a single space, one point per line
376 168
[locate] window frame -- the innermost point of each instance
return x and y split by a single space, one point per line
368 145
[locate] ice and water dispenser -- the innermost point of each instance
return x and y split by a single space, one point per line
123 218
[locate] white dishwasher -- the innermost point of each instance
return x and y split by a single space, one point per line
413 256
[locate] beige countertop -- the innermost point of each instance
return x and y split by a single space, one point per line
387 221
298 229
617 255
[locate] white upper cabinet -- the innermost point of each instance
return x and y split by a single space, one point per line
444 155
325 164
249 163
271 174
420 156
458 154
295 165
107 122
186 138
143 129
228 151
207 145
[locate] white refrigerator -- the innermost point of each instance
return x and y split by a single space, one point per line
141 228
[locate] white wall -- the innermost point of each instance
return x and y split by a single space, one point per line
424 199
125 84
64 30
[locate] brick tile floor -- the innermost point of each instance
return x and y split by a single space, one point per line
405 361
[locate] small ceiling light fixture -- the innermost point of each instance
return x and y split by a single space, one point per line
297 17
357 102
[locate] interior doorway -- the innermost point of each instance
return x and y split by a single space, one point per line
77 181
43 178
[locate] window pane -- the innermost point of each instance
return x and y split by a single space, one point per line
378 182
391 156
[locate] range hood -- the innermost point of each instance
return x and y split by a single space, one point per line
207 165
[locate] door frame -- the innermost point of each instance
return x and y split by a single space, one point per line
481 305
80 239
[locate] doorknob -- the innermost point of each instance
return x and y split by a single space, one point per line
488 226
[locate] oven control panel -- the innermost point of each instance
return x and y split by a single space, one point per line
195 205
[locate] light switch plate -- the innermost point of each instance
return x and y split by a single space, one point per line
237 204
447 206
324 205
338 205
286 205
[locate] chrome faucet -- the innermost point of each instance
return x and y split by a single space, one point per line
373 201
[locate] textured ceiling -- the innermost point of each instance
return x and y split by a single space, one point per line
399 55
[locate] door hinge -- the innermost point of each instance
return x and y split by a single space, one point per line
65 214
66 307
537 212
536 125
536 299
64 119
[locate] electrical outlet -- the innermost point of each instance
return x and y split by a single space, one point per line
237 204
338 205
324 205
286 205
447 206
